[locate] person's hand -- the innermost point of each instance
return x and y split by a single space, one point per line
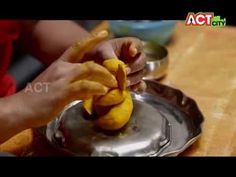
61 83
127 49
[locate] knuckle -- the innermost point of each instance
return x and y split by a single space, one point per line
83 85
89 65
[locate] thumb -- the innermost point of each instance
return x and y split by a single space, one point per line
107 52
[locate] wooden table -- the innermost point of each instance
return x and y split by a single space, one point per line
203 66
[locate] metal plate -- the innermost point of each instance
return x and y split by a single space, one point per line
164 123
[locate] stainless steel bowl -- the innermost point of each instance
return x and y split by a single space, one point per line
157 61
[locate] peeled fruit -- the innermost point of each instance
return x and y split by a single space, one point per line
113 97
121 77
113 64
114 109
88 106
118 115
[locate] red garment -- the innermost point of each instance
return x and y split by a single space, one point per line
9 31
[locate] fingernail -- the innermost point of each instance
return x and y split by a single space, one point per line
127 70
128 83
102 33
105 90
133 52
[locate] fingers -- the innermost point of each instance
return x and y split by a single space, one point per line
84 89
130 50
135 78
137 64
77 51
130 46
141 86
133 51
93 72
135 47
107 51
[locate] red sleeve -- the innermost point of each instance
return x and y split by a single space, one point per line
9 31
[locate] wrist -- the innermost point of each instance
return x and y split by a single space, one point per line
13 117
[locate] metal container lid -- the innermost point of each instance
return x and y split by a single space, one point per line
164 122
140 137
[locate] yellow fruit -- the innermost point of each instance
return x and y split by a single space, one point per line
118 115
113 64
113 97
115 108
101 110
117 68
88 106
121 77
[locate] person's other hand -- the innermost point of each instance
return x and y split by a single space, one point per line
61 83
